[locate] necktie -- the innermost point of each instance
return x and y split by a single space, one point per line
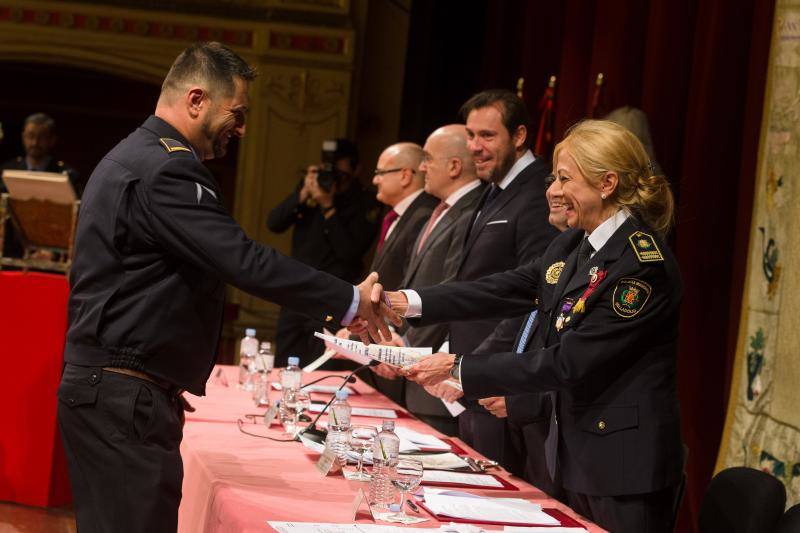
494 190
437 212
526 331
388 218
584 252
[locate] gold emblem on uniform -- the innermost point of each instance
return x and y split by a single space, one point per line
554 272
645 247
328 318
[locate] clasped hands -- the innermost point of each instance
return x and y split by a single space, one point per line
430 370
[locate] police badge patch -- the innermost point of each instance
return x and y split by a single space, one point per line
629 297
554 272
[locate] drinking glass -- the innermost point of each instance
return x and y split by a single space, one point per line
361 439
406 477
295 402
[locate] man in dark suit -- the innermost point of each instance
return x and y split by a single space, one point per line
400 187
38 140
508 228
450 177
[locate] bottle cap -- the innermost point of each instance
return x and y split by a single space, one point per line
250 332
394 508
388 424
342 394
294 361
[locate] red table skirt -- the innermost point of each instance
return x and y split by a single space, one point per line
33 322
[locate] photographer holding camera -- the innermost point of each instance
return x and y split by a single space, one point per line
335 221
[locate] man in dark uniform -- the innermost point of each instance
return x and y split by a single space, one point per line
38 139
333 228
154 249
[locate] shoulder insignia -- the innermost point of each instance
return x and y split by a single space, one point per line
554 272
645 247
171 145
629 297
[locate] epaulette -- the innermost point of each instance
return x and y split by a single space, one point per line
171 145
645 247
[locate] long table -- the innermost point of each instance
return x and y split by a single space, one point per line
235 482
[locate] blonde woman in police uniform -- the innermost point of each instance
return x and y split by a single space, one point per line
608 293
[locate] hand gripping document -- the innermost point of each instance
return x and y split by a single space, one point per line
44 210
362 354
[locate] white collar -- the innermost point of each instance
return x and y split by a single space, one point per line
461 192
526 159
403 204
599 237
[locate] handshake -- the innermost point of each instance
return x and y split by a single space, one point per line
376 307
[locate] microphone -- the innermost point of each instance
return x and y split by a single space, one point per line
347 379
318 435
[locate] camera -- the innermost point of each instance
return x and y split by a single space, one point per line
328 173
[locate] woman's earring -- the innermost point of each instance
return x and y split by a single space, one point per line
603 196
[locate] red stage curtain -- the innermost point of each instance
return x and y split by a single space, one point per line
33 321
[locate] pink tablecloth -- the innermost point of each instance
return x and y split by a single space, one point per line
236 483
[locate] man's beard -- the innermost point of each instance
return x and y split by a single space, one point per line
217 141
501 168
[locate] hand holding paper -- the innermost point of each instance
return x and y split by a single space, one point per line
431 370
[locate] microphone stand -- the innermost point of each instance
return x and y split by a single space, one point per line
318 435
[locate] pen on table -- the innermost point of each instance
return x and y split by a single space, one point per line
413 506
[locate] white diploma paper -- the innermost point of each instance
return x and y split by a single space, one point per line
461 478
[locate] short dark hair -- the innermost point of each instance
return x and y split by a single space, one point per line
208 62
511 107
41 119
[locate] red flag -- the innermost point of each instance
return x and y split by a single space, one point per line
545 133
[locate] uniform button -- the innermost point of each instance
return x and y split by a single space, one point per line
71 401
601 425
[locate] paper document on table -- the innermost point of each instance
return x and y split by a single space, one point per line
461 478
441 461
523 529
468 506
315 527
322 389
363 354
429 442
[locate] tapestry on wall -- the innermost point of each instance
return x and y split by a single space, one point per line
762 429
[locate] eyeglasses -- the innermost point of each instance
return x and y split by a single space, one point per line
379 172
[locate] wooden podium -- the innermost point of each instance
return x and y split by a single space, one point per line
43 209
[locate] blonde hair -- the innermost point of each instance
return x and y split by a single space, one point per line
601 146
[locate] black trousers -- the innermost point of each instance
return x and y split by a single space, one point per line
491 437
122 439
637 513
529 439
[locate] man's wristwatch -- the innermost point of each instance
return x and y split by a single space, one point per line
455 371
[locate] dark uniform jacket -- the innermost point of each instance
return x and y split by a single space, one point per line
335 245
154 249
612 364
392 260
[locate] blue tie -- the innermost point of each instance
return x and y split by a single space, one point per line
526 331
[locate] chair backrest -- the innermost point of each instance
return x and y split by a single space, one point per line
790 521
742 500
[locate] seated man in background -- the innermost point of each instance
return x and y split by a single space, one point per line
38 141
334 221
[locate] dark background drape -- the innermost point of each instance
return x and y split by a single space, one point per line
698 70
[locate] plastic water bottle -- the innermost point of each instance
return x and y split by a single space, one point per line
291 379
339 413
247 356
385 451
266 359
339 426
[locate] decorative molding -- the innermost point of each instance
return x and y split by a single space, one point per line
305 92
114 25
